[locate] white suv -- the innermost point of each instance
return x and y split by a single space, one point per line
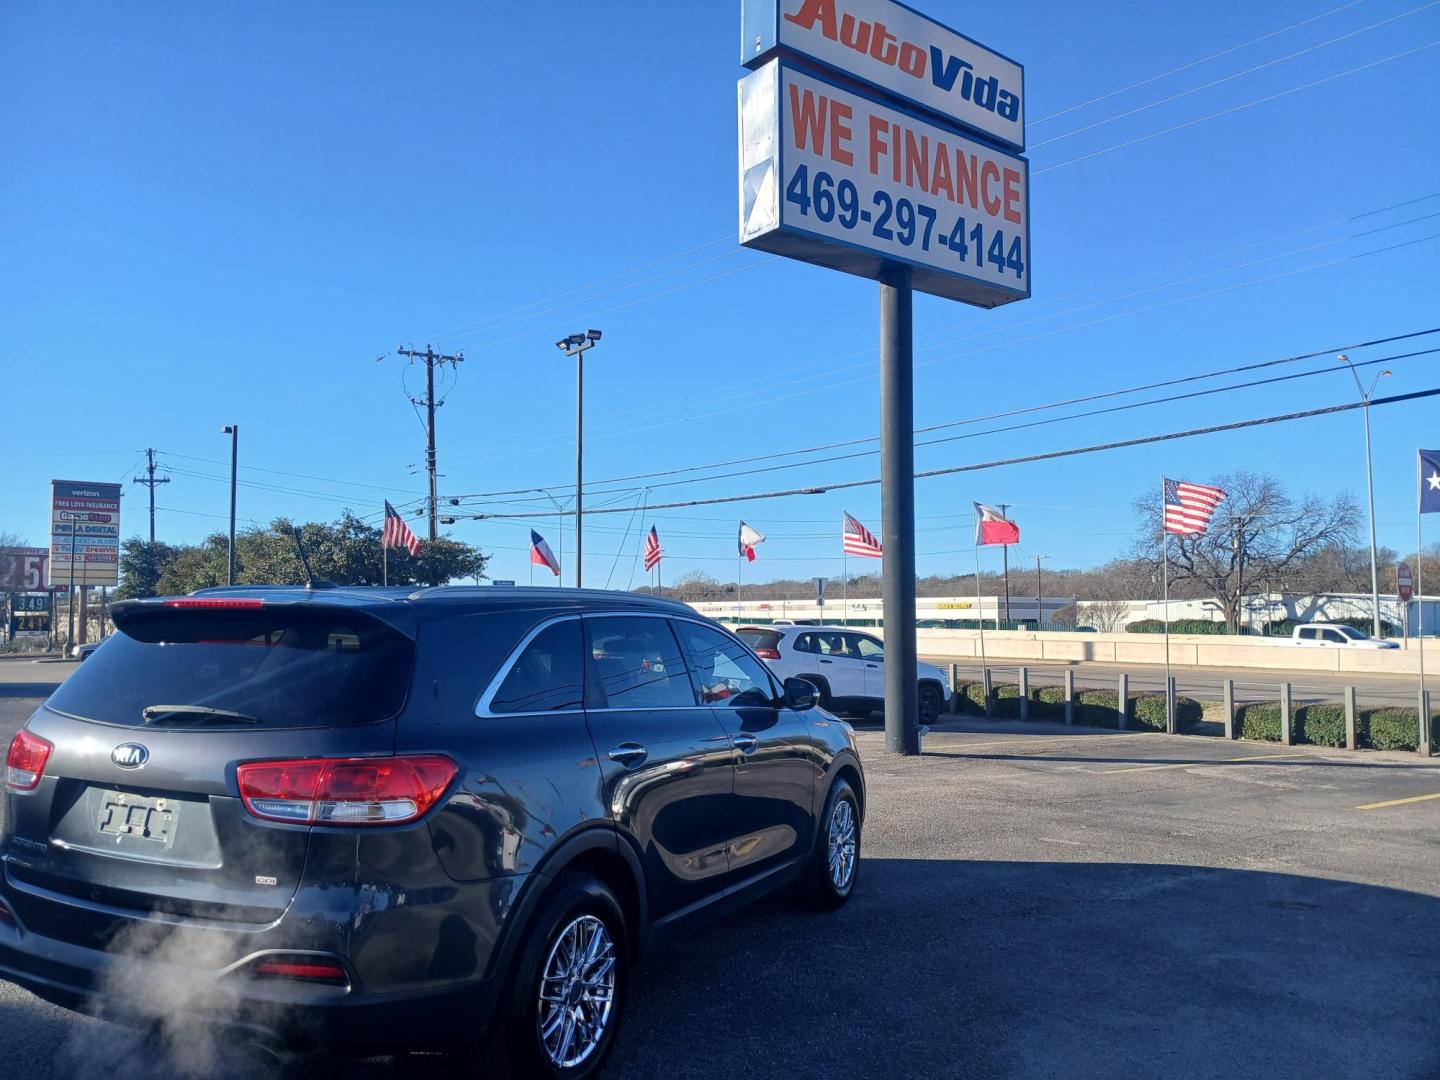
847 666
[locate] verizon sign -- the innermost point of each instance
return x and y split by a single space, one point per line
898 51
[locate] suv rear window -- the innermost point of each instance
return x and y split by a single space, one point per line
278 668
759 639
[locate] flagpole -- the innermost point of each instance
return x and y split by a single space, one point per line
739 565
1165 592
979 607
844 584
384 563
1421 711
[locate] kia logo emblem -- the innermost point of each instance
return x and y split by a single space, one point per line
130 755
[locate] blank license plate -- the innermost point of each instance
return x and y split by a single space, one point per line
144 817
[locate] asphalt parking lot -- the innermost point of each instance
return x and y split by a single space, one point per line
1033 902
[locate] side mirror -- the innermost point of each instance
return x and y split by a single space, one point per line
800 694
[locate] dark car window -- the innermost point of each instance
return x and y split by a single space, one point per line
279 668
639 664
759 639
806 643
547 676
866 648
726 672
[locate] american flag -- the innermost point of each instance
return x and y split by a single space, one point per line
653 554
396 533
1188 507
858 540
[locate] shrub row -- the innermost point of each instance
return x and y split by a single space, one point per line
1177 626
1093 708
1388 728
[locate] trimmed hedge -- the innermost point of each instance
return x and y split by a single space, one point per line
1389 729
1148 711
1177 626
1259 720
1320 725
1047 702
1097 708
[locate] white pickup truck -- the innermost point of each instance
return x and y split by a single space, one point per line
1336 636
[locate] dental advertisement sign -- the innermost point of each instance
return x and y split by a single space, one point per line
830 176
900 53
85 521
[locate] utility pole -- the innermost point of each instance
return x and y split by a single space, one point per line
432 359
1005 562
150 482
1039 602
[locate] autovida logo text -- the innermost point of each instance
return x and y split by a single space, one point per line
874 39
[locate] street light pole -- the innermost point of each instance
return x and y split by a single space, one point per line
575 345
233 430
1365 396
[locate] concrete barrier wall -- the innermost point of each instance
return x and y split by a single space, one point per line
1186 650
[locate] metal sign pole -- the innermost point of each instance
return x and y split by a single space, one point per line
897 511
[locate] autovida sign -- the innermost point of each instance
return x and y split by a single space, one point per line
899 52
897 152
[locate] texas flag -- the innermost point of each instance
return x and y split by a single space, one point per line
541 555
749 538
993 528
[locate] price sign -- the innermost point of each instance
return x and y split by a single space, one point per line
22 569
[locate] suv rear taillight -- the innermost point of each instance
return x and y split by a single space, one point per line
768 654
25 763
345 791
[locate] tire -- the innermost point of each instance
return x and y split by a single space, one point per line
515 1045
931 704
823 888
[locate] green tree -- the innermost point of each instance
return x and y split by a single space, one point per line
345 552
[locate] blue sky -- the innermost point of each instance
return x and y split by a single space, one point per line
222 214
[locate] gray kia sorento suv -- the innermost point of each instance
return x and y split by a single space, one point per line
373 820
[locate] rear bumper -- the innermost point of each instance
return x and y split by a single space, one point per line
284 1016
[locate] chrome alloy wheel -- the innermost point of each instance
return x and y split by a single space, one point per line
577 991
842 842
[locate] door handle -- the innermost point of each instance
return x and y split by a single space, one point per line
872 665
746 744
827 661
628 753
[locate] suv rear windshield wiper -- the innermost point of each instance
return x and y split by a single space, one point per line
159 714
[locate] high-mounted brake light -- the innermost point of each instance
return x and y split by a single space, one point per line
25 763
768 654
215 602
345 791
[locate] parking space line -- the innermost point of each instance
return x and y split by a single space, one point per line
1398 802
1200 764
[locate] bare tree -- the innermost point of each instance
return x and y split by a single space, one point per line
696 586
1106 616
1259 537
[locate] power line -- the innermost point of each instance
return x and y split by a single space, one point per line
1026 410
1051 420
432 360
1237 108
1196 63
1237 75
152 483
822 489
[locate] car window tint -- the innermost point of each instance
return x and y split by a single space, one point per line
806 643
1334 637
834 645
639 663
868 648
727 673
759 639
1307 635
547 676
